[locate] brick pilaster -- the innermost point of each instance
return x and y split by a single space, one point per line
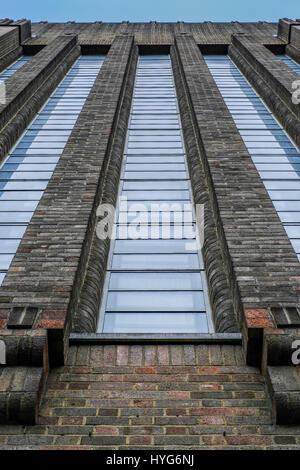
52 257
223 314
118 71
9 39
256 250
28 88
285 27
271 78
23 378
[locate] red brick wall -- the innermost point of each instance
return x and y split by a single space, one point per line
161 397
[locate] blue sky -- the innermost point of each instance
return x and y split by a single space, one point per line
147 10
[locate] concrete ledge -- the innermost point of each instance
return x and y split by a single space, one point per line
142 338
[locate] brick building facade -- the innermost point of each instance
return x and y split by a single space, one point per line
65 383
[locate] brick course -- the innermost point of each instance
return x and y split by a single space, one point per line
140 399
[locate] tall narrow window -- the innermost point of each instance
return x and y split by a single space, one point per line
275 156
27 170
9 71
155 281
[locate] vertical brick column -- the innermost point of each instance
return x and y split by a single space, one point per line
10 48
24 27
271 78
293 49
223 314
23 377
255 248
285 26
289 32
109 146
46 275
31 85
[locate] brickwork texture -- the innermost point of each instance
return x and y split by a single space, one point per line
57 394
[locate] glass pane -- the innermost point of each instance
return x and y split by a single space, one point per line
291 217
154 151
151 246
12 231
296 245
156 159
5 261
287 205
20 195
155 175
158 322
134 232
289 195
15 217
17 206
156 262
9 246
158 185
155 167
152 281
157 195
156 206
155 300
293 231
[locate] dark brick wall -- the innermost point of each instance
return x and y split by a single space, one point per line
166 396
153 32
